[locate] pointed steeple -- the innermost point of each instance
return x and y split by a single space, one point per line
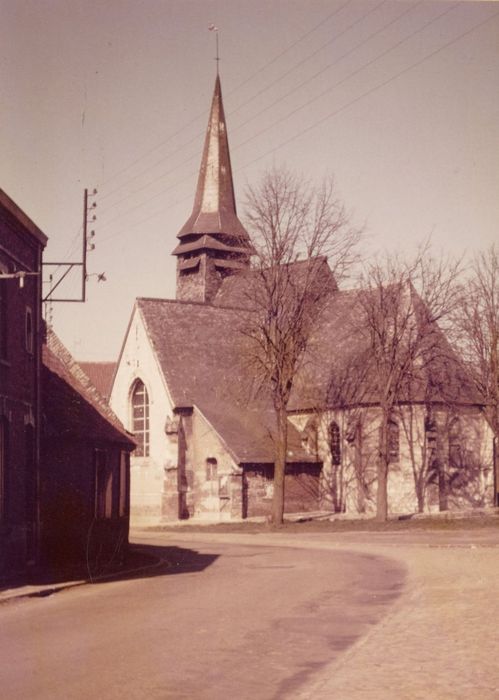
213 242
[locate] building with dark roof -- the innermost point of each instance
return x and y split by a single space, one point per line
206 445
84 473
101 375
21 249
64 455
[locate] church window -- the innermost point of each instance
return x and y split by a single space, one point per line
140 418
335 443
393 441
455 444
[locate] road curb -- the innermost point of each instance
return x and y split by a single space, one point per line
12 595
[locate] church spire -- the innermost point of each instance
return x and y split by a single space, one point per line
213 242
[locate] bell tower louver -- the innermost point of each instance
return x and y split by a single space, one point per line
213 242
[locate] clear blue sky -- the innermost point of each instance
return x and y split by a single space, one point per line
400 100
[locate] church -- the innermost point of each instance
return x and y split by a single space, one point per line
206 451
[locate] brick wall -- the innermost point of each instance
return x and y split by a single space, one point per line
20 350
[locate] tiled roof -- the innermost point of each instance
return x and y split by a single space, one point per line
101 375
71 405
199 349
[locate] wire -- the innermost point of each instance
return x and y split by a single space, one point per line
307 58
369 92
203 114
196 155
326 117
350 75
329 65
288 48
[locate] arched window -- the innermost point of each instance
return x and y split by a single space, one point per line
455 443
393 441
140 418
334 443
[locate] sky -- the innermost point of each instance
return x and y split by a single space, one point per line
398 100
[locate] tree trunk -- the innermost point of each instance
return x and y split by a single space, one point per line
382 471
443 501
280 467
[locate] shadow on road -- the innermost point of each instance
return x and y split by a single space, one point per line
144 561
148 561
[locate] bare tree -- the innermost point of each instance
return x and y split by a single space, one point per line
477 321
297 230
402 303
477 326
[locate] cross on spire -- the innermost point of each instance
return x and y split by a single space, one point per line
213 28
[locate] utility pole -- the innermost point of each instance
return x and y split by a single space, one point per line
89 216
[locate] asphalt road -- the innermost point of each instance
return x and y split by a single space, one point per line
220 621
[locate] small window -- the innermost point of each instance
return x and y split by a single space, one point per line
103 485
140 418
393 441
28 331
335 443
211 469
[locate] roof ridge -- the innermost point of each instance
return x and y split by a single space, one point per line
187 302
84 384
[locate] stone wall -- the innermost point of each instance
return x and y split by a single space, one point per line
148 474
213 477
301 489
423 476
200 284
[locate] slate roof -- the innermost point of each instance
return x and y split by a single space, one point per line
337 369
214 210
240 290
199 349
101 375
71 405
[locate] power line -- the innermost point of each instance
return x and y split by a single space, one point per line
146 201
190 158
159 177
329 65
288 48
326 117
370 91
307 58
202 114
279 121
350 75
